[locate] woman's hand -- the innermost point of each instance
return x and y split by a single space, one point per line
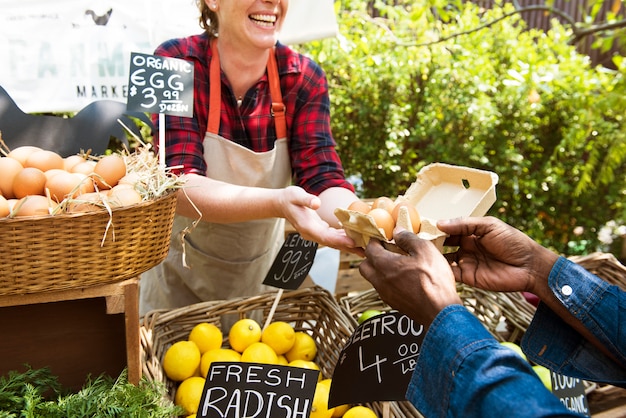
301 210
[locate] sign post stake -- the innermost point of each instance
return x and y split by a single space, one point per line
162 141
279 295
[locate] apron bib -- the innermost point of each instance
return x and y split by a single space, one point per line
224 260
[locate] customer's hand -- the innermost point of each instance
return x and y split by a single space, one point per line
419 284
496 256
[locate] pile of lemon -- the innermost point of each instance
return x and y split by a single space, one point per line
188 361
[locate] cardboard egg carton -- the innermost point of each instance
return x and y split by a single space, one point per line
441 191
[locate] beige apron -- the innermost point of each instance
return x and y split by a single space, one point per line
224 260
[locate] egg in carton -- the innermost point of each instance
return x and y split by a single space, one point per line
441 191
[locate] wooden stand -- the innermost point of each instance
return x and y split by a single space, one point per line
76 333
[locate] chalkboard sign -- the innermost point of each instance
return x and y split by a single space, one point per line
378 360
160 85
571 392
234 390
292 264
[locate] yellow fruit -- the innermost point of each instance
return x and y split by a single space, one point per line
339 410
217 354
259 353
282 360
189 393
181 360
305 364
243 333
319 408
280 336
206 336
360 412
304 348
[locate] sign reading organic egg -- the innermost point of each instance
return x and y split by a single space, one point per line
257 390
160 85
377 361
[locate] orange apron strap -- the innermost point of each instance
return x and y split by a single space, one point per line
215 99
278 108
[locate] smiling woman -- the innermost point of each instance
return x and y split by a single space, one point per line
257 151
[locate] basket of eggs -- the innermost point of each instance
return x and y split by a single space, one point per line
80 220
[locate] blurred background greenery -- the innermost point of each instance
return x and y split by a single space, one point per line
417 82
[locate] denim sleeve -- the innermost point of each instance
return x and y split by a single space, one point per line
600 307
462 371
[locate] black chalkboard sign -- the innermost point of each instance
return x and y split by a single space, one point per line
234 390
160 85
378 360
292 264
571 392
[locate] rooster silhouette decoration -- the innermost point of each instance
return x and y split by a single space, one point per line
92 128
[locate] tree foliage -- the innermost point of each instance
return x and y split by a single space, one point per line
418 84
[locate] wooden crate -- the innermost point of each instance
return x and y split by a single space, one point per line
76 333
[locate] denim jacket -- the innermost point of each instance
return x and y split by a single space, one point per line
463 371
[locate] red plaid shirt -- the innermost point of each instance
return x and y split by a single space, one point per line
315 163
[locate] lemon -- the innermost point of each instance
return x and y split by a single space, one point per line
319 408
339 410
304 348
189 393
360 411
280 336
181 360
206 336
243 333
305 364
217 354
282 360
259 353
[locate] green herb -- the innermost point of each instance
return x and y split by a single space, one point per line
37 393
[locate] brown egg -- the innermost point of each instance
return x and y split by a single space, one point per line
51 173
4 207
86 181
384 203
45 160
87 202
33 205
85 168
22 153
29 181
108 171
414 217
12 203
384 220
71 161
9 168
65 185
124 195
359 206
130 178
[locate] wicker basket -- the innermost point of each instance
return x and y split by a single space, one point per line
605 266
79 250
312 310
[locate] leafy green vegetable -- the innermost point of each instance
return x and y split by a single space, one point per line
37 393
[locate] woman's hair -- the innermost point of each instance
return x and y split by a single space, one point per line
208 19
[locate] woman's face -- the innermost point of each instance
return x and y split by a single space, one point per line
250 22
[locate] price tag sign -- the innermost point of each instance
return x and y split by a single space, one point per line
234 390
292 264
378 360
571 393
160 85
